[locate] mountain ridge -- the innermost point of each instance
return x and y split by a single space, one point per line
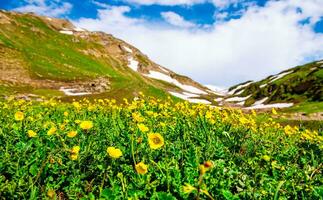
52 54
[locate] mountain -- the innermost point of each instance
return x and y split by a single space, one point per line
298 85
42 56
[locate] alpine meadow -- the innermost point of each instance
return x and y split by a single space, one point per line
86 115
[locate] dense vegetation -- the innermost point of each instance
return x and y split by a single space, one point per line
152 149
299 84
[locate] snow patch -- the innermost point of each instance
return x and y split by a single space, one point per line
217 90
127 49
275 105
189 97
241 103
320 62
237 99
218 99
279 76
49 19
72 92
133 64
164 70
263 85
167 78
78 29
240 92
67 32
239 87
260 102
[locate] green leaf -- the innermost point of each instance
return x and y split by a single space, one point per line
33 169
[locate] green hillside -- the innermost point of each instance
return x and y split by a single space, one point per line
40 55
299 85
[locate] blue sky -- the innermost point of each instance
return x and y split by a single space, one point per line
219 42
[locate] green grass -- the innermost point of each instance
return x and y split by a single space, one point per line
307 107
227 154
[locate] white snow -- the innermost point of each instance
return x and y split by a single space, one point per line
320 62
241 103
279 76
133 64
218 99
240 92
49 19
217 90
78 29
260 102
189 97
163 69
127 49
67 32
72 92
167 78
263 85
275 105
239 87
202 101
237 99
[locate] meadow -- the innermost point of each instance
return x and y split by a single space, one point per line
152 149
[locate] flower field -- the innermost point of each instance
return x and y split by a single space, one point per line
149 149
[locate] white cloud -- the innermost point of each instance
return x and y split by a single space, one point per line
48 8
165 2
265 40
176 20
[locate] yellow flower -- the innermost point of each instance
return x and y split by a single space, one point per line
266 158
19 116
202 169
51 193
74 156
86 125
187 188
141 168
155 140
75 150
137 117
274 111
71 134
114 152
32 134
143 128
51 131
65 114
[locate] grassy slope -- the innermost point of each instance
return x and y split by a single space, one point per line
303 85
48 54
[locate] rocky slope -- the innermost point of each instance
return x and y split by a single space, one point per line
42 56
301 84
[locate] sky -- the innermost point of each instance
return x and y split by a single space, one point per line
215 42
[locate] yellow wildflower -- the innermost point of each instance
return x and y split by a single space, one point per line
137 117
65 114
74 156
86 125
51 193
266 158
202 169
274 111
114 152
155 140
32 134
75 150
19 116
143 128
141 168
71 134
51 131
187 188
